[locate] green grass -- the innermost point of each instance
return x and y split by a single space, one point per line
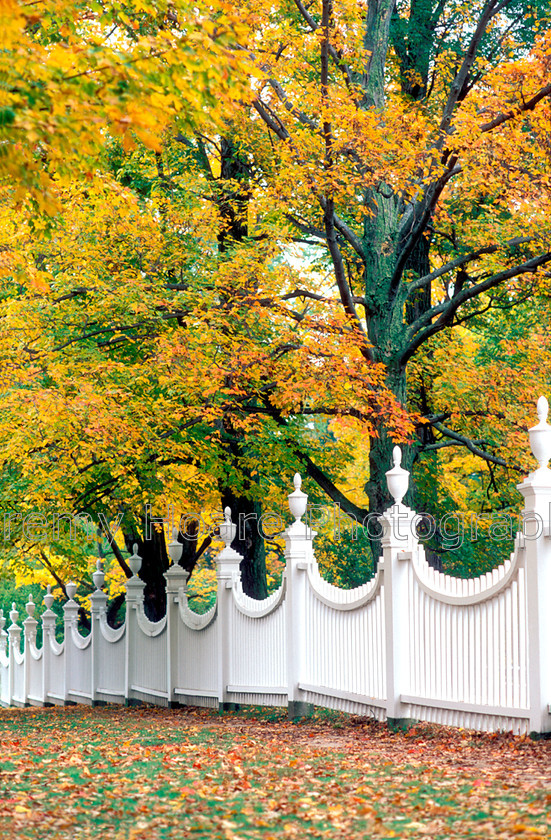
152 773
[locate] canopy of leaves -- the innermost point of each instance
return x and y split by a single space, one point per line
224 226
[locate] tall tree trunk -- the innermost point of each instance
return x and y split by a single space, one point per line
248 542
233 201
154 563
386 328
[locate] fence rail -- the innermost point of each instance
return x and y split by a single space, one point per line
412 643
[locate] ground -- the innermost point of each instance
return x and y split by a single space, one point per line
132 773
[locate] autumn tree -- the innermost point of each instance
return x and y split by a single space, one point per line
410 140
133 363
161 339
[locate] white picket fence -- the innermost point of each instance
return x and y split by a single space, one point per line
412 643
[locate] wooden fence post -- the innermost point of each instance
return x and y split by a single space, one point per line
29 635
98 607
70 621
48 634
14 642
4 660
536 490
298 555
227 573
176 579
397 538
134 598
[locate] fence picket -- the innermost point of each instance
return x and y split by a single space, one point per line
411 642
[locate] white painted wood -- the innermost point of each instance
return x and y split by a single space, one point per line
411 642
257 689
343 695
147 690
458 705
298 556
176 580
397 538
536 490
196 692
258 609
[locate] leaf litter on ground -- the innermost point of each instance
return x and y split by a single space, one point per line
143 773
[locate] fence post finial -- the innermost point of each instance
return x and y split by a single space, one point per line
135 561
30 607
175 548
227 528
14 614
48 597
98 577
297 499
397 478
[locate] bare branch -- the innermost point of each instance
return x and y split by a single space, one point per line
340 276
415 220
271 119
305 227
323 480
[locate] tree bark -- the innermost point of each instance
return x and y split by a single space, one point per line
233 201
154 563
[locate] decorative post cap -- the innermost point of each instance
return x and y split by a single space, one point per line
175 548
71 590
14 615
297 499
2 621
135 561
540 435
48 597
30 606
228 528
98 577
397 478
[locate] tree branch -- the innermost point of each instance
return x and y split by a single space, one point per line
464 260
446 310
529 105
292 109
338 59
492 8
115 549
472 447
323 481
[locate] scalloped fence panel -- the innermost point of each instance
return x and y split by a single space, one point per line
410 644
